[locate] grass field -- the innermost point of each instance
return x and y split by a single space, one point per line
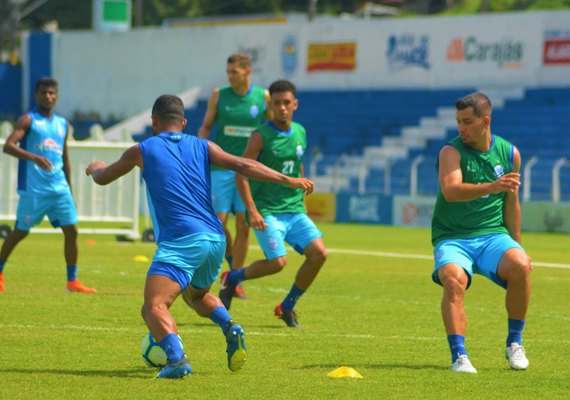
376 312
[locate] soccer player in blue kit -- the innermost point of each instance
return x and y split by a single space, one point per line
191 241
39 141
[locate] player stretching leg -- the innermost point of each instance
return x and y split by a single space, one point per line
276 213
476 228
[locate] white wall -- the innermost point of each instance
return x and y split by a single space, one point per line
121 74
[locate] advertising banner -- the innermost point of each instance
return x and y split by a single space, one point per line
331 56
503 50
557 49
546 217
321 206
413 211
371 209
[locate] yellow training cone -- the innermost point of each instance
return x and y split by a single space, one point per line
344 372
141 259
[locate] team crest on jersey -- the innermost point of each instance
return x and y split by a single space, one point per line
254 111
499 171
299 151
60 131
50 145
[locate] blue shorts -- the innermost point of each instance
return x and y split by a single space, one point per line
296 229
60 209
477 255
225 195
194 259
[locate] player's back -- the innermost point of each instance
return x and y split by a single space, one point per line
176 169
46 137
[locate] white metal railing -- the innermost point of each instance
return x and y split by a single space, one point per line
313 165
138 122
118 202
362 175
346 166
561 162
527 179
388 177
414 175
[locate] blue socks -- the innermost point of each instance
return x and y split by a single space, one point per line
237 275
292 298
516 327
457 346
229 259
221 317
2 262
172 346
71 273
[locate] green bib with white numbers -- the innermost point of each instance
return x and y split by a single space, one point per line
283 152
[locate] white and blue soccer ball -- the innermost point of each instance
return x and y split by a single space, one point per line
152 353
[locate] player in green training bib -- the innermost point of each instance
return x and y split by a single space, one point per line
476 228
278 214
236 110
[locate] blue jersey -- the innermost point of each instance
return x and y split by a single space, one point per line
176 169
46 137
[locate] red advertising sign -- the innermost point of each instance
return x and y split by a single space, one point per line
557 51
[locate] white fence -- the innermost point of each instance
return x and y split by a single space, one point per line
96 205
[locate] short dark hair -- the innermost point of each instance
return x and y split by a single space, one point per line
281 86
45 81
168 107
478 101
243 59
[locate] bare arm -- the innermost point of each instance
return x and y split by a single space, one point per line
254 147
511 205
453 187
255 170
11 146
65 156
104 174
211 114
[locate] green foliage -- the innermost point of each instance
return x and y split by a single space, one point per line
468 7
73 14
377 314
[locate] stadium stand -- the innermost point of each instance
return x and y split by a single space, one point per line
354 124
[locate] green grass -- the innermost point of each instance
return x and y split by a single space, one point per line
377 314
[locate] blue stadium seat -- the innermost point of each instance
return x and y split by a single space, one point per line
345 122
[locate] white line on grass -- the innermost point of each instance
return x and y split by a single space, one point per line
424 257
415 256
286 333
137 329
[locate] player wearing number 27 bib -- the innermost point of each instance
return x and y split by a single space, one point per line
277 215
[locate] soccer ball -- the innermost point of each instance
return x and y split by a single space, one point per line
152 353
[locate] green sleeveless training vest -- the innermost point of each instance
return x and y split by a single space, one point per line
238 116
452 220
282 152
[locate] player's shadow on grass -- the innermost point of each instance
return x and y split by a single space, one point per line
380 366
134 373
